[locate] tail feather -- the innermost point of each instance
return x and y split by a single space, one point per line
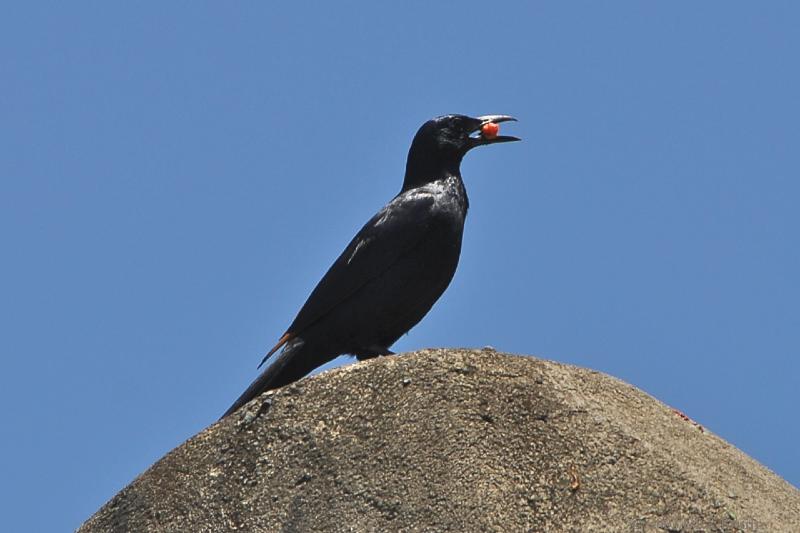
283 340
292 363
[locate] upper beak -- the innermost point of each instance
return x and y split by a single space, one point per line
494 119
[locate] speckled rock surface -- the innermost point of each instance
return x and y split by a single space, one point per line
454 440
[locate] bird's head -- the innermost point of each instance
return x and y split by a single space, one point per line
441 143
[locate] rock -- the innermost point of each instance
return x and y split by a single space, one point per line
454 440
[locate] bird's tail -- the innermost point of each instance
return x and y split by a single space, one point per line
290 365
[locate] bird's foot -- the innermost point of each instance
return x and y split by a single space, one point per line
372 351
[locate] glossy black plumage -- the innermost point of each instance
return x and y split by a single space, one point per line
394 269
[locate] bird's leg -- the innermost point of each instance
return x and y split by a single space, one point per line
371 351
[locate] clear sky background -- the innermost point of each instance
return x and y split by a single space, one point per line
175 177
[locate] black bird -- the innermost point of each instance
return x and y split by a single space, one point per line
395 268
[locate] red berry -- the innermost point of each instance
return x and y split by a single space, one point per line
489 130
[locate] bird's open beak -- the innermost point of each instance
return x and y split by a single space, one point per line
482 139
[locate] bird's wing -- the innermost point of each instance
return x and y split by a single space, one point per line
391 233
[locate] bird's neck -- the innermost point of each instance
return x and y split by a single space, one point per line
421 170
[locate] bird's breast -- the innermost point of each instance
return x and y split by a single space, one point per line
449 198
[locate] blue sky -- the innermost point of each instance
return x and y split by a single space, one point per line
175 178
